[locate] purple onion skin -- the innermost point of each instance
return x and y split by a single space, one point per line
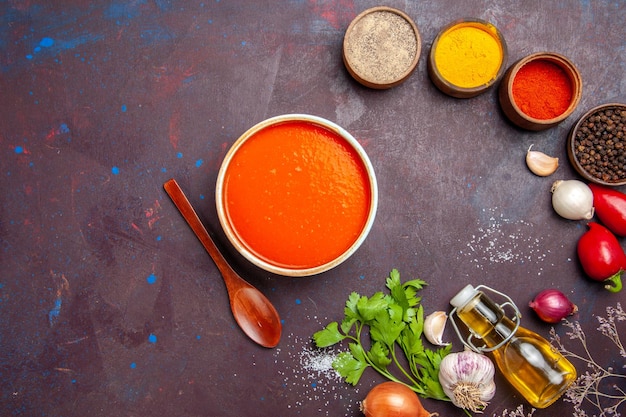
552 306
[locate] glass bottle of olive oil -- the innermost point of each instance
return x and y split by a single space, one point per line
528 361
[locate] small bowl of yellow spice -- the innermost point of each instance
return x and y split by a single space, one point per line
467 57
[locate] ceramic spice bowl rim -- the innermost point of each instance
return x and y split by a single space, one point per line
468 91
571 143
242 248
564 63
349 62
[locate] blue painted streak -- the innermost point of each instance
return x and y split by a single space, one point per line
124 10
77 41
54 47
53 314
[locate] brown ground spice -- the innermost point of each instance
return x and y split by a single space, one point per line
381 47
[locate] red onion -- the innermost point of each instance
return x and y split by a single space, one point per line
552 306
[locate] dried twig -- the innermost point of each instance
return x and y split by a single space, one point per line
602 388
518 412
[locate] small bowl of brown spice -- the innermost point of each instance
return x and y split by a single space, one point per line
381 47
596 145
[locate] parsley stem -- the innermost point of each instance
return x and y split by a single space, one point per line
394 323
416 386
384 372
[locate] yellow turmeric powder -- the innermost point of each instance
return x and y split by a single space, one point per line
468 55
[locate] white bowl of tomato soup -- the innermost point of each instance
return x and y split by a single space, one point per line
296 195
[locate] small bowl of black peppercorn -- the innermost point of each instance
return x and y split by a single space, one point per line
596 145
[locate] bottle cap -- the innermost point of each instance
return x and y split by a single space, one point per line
463 296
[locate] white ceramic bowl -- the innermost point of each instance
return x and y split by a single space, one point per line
296 195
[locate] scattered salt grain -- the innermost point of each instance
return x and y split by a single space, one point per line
308 370
503 240
319 363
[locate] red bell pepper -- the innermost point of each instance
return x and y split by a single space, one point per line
610 208
601 256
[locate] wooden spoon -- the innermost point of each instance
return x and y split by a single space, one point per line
254 313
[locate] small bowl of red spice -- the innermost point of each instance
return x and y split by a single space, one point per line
596 145
540 90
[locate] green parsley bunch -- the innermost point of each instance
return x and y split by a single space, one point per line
395 322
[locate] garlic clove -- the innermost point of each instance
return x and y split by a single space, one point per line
434 324
541 164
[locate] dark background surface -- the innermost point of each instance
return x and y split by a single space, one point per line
108 303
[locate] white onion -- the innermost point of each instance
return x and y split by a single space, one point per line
572 199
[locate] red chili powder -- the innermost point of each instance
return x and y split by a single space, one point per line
542 89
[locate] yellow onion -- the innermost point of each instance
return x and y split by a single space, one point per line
393 399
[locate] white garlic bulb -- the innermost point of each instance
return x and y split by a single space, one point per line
467 378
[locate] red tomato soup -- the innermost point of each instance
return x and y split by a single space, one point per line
296 194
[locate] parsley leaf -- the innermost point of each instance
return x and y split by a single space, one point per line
349 366
329 336
394 323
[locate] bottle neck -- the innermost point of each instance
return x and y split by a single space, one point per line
486 320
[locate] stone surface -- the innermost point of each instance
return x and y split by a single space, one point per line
109 304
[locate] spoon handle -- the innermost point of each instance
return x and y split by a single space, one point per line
254 313
189 214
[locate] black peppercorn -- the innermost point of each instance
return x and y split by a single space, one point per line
599 144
